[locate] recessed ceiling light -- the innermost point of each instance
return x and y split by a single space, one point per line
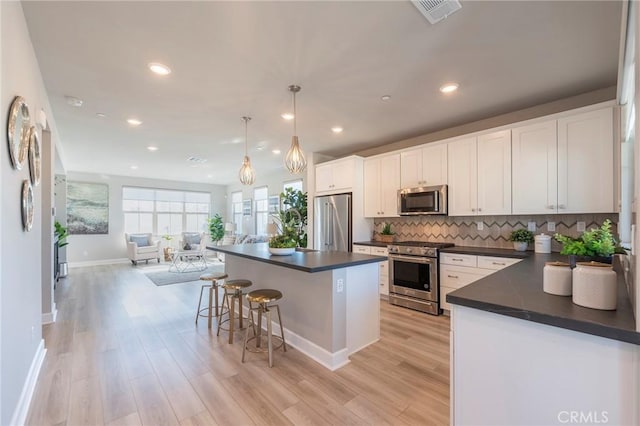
101 114
73 101
134 167
134 121
159 69
449 87
287 116
337 129
276 151
385 97
152 148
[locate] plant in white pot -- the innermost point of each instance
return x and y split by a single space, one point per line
521 239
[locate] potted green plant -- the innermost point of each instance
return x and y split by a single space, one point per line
216 228
294 211
61 232
596 244
386 235
521 239
290 230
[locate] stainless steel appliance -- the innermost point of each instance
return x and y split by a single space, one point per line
423 200
332 223
414 280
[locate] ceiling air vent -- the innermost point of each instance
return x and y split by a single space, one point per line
436 10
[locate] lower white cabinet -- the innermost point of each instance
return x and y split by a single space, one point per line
383 276
459 270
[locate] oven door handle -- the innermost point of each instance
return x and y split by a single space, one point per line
413 259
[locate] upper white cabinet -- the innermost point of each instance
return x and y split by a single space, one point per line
381 184
425 166
335 176
479 170
564 165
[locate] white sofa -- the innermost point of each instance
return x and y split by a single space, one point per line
142 247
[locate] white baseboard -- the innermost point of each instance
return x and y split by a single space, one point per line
22 409
98 262
50 317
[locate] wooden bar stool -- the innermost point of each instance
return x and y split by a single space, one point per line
213 289
262 298
232 293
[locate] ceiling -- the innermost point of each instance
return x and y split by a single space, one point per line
230 59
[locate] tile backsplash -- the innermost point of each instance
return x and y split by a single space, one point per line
463 231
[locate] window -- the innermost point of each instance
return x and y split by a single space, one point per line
261 195
236 210
293 184
162 211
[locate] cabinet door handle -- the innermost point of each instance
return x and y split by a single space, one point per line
453 276
479 209
561 206
473 210
551 207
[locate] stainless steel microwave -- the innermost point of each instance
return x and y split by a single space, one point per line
423 200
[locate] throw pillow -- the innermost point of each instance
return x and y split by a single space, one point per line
192 238
140 240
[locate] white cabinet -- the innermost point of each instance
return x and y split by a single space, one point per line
480 175
381 184
425 166
335 176
459 270
383 275
564 165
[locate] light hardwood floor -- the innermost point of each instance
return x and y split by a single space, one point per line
125 352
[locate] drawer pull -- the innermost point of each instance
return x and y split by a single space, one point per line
457 260
453 276
499 264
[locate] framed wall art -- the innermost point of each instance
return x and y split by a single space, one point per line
87 208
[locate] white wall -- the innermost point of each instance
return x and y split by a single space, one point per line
92 248
20 262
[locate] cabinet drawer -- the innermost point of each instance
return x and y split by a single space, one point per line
361 249
459 259
457 277
379 251
495 263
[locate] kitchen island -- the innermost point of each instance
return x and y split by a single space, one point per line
330 306
521 356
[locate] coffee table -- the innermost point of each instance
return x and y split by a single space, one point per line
187 261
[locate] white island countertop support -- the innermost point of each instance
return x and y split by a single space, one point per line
331 303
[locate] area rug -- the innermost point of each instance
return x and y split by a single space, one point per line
164 277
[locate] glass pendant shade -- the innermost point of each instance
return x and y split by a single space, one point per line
295 161
247 175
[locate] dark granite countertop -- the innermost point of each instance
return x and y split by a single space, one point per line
373 243
306 261
516 291
487 251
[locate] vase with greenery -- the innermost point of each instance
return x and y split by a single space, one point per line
167 249
291 220
386 235
216 228
596 244
521 239
62 233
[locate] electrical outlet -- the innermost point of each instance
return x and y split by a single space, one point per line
551 226
580 226
480 225
531 226
340 285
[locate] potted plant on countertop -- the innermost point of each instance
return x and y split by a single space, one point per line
295 202
521 239
596 244
288 224
386 235
216 229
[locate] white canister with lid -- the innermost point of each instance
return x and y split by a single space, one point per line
542 243
595 286
556 278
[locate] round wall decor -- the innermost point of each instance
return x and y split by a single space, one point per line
27 205
35 166
18 132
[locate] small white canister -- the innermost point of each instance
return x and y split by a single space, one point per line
557 278
595 286
542 243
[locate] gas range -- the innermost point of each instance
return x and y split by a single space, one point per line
418 248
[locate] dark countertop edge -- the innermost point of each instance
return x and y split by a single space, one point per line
488 251
374 259
592 328
372 244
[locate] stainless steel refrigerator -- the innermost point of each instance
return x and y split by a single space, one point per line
332 223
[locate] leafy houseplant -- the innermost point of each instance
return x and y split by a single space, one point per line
216 228
386 235
292 219
595 244
521 239
62 233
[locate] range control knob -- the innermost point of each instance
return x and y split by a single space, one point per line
425 251
409 250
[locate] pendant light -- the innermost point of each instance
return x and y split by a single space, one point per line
247 175
295 161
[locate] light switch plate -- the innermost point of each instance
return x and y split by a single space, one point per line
480 225
551 226
580 226
531 226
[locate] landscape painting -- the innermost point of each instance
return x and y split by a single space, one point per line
87 208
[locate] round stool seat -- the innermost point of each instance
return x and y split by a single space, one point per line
237 284
214 276
265 295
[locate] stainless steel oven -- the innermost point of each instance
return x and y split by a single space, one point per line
413 276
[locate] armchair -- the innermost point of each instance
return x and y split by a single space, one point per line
142 247
195 241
